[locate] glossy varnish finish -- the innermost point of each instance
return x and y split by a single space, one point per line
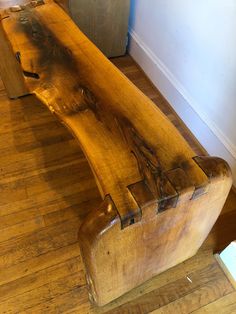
46 191
111 215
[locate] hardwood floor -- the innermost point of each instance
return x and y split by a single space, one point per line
47 188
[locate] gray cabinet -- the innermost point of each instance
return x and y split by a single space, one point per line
105 22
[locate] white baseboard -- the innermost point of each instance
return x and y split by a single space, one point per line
227 261
207 133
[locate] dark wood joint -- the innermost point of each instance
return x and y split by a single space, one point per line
213 167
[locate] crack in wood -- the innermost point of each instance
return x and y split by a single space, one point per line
26 73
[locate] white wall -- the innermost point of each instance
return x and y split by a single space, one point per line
188 49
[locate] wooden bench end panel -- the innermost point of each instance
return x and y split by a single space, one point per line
118 260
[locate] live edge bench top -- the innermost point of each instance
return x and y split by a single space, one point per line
159 201
106 112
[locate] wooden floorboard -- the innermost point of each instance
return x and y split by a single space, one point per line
47 188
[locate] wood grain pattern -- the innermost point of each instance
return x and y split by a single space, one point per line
226 304
169 298
28 115
102 228
87 105
10 69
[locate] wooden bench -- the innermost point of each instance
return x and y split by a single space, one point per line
159 200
